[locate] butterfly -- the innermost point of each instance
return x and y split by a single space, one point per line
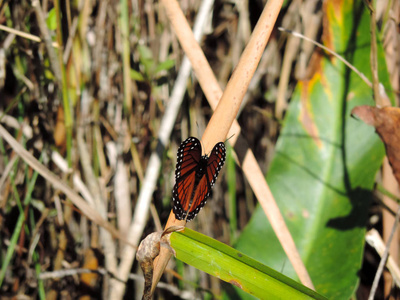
195 175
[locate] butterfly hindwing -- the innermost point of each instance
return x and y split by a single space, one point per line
199 198
215 162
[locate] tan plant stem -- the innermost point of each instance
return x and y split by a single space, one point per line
124 25
291 51
24 35
223 120
95 190
390 184
153 167
226 111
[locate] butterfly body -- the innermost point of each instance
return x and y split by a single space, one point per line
202 167
195 175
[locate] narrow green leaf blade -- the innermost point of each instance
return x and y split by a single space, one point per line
165 65
230 265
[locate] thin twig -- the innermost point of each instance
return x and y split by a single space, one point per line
4 176
104 272
60 162
25 35
94 187
374 52
374 240
291 51
48 41
289 56
70 41
124 32
384 258
363 77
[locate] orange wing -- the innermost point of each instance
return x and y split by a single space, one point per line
203 188
188 158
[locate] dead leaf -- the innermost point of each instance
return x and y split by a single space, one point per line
92 263
386 121
148 250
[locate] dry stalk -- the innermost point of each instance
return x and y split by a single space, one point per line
223 122
95 190
153 167
57 183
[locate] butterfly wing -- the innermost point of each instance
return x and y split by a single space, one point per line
215 162
188 158
213 167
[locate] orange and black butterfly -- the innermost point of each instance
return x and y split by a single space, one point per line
195 175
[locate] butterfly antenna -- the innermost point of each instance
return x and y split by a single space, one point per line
229 138
198 129
198 134
202 148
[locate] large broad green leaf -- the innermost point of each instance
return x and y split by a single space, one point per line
325 163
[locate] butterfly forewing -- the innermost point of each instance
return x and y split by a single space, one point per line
189 155
195 175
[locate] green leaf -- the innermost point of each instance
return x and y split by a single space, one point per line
135 75
228 264
146 59
231 180
165 65
51 20
325 163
